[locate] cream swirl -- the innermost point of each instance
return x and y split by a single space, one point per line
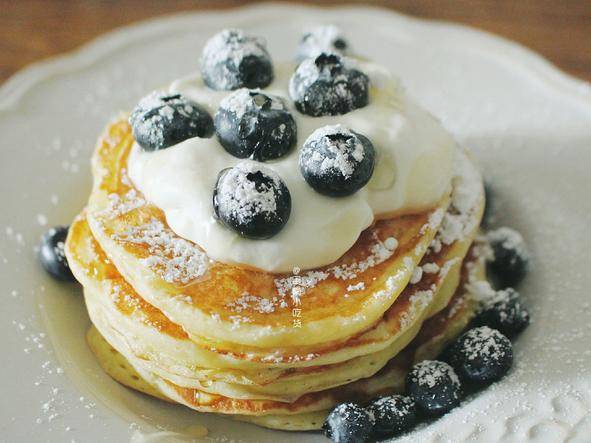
413 171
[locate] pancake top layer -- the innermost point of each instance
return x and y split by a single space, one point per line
413 169
238 304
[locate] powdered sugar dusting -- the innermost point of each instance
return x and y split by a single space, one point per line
244 198
296 286
259 304
173 258
484 343
121 205
430 373
223 54
327 38
462 218
343 150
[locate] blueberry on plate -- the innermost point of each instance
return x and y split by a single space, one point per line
337 161
348 423
52 254
252 200
482 355
488 215
392 415
327 38
252 124
510 261
434 386
162 120
328 84
232 60
504 311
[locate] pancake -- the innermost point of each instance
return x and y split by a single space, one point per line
125 308
188 333
309 412
178 278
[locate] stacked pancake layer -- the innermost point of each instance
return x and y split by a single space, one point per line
277 350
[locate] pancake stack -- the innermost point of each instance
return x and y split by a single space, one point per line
279 350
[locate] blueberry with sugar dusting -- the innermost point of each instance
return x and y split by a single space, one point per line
434 386
392 415
162 120
326 38
252 124
511 258
52 255
337 161
252 200
482 355
348 423
328 84
505 311
231 60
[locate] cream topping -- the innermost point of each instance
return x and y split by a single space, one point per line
413 171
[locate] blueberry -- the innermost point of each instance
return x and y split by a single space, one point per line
504 311
488 216
162 120
511 258
434 386
328 85
336 161
252 124
232 60
348 423
393 415
252 200
482 355
52 255
322 39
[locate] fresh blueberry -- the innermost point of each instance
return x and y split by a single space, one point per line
348 423
434 386
163 120
232 60
328 85
252 200
488 216
52 254
336 161
504 311
482 355
252 124
511 258
322 39
392 415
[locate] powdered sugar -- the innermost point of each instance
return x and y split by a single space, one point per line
430 373
173 258
223 54
462 217
484 343
326 38
510 239
333 149
243 198
298 285
243 99
252 302
121 205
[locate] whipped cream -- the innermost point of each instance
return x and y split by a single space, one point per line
413 171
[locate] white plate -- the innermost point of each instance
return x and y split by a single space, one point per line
529 124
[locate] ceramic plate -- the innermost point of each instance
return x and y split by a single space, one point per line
527 123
